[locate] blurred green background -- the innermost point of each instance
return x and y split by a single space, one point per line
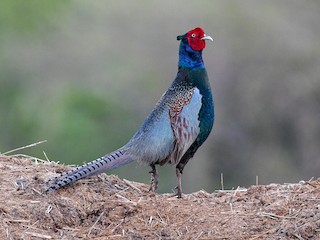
84 75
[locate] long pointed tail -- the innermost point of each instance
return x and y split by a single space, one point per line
100 165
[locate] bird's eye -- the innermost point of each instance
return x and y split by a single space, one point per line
193 35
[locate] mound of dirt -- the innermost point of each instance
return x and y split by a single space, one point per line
106 207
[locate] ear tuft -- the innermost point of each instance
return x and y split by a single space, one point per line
180 37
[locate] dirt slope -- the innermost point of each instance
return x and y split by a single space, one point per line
106 207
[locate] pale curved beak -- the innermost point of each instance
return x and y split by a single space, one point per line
206 37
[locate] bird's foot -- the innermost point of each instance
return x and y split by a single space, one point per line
154 179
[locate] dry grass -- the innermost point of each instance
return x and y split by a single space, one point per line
106 207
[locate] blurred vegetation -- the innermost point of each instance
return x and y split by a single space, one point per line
84 75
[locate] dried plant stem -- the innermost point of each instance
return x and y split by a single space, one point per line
221 181
24 147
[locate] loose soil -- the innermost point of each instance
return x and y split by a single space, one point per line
106 207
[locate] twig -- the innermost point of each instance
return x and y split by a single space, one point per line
19 220
221 181
235 193
315 185
162 221
126 199
115 236
27 156
199 235
48 210
131 185
39 235
262 234
121 221
36 191
274 216
31 226
98 219
24 147
150 219
45 155
299 237
70 229
231 190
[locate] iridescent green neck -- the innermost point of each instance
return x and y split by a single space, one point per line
188 57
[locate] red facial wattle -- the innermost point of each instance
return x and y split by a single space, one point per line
195 41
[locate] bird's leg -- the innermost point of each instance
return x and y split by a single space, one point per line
154 178
179 189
